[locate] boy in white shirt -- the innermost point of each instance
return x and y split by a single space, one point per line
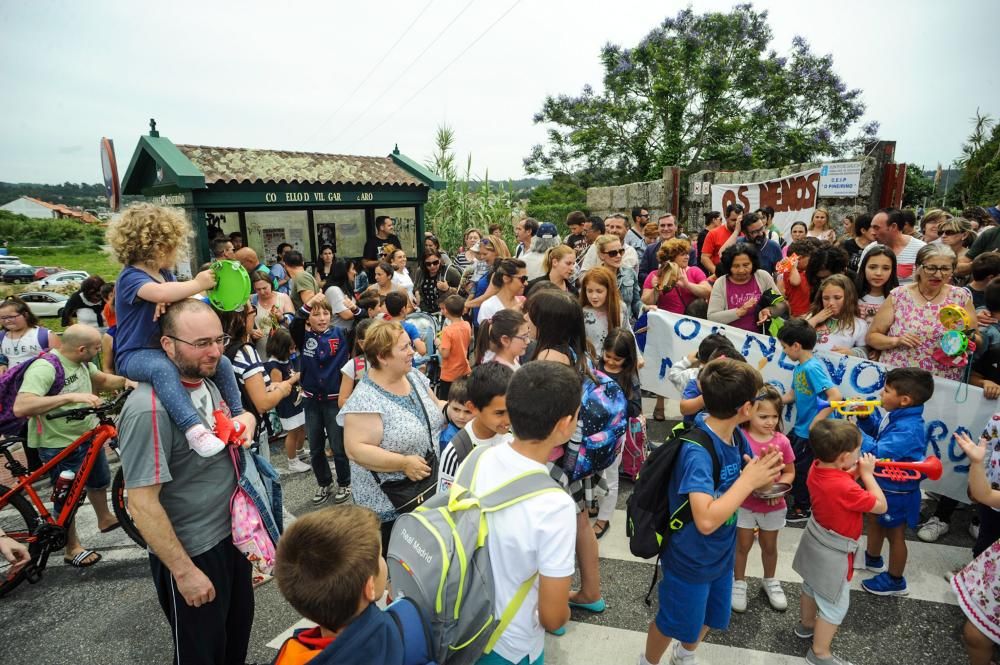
537 535
486 388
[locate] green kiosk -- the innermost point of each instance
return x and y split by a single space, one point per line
272 196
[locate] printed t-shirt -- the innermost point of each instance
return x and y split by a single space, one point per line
536 535
456 337
136 327
787 456
809 380
869 305
38 379
691 555
374 246
838 503
832 333
737 295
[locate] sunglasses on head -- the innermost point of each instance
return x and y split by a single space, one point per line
614 252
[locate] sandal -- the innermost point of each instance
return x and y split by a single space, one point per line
599 531
593 511
658 414
79 561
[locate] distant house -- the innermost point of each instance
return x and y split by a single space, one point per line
37 209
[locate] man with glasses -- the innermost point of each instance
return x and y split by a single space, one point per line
755 232
180 500
634 237
80 345
887 226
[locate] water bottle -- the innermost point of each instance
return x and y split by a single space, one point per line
61 489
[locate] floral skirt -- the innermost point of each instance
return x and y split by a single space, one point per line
978 589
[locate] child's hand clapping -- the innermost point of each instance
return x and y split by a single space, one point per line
763 470
975 452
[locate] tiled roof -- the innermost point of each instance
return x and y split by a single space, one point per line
228 165
66 211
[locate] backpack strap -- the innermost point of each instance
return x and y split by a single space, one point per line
462 443
700 437
43 337
413 629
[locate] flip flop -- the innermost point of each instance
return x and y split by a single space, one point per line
600 531
109 529
596 607
79 559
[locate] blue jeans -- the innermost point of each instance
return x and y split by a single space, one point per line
153 366
100 475
803 461
321 428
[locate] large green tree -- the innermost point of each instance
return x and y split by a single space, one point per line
701 87
919 188
980 163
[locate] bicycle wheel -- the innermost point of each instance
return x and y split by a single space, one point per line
17 519
119 503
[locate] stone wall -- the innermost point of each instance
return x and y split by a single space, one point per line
654 195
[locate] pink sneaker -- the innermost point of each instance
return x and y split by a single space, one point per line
203 442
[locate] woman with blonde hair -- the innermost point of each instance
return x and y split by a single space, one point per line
956 233
558 265
819 226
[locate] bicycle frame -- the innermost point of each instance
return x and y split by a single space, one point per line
96 437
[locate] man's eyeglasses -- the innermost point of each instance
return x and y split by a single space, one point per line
431 264
204 344
937 270
614 252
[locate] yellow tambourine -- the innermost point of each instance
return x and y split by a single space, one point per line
953 317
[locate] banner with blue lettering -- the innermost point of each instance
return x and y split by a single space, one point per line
954 407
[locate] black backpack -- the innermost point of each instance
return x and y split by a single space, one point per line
649 522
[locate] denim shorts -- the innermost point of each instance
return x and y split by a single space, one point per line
832 613
100 475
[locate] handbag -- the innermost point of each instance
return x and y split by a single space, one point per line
406 494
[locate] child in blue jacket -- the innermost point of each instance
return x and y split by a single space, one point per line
899 435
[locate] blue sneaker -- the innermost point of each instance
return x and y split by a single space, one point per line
876 564
883 585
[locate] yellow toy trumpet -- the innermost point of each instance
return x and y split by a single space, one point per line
851 407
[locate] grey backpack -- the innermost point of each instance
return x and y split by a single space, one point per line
438 558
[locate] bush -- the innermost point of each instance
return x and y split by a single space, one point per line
26 231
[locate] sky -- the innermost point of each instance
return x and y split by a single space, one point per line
362 77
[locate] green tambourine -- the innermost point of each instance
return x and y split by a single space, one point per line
232 286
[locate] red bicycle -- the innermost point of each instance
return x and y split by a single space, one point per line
23 515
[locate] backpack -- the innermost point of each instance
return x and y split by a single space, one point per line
10 384
439 558
413 633
634 450
602 425
648 520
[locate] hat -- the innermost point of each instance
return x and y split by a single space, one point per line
994 212
547 230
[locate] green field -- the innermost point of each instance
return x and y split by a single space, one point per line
96 262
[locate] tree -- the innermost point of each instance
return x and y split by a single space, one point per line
979 183
696 88
919 188
552 202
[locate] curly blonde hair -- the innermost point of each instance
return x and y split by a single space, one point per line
145 233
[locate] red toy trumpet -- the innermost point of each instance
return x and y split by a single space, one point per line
903 471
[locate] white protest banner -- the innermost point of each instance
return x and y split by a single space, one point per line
840 179
793 197
954 407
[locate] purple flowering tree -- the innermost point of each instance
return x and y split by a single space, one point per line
701 87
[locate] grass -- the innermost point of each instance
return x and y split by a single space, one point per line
75 257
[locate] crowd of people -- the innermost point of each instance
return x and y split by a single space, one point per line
338 353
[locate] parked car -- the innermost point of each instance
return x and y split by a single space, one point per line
20 275
61 278
8 262
42 273
43 303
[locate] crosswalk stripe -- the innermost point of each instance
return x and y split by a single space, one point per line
926 563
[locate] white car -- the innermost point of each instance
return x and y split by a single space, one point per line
61 278
43 303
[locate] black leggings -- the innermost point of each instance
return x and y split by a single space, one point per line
386 532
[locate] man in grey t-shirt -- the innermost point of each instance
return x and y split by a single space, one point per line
180 501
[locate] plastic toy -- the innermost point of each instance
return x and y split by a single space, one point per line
851 407
956 344
228 430
232 286
903 471
784 266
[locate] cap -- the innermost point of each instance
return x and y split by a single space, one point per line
547 230
994 212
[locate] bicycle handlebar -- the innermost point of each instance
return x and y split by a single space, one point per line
84 411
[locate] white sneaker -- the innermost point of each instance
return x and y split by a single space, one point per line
932 530
202 441
295 465
676 659
739 596
775 594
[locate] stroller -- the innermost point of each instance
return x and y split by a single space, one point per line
429 363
